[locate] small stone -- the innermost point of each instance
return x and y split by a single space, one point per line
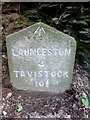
2 107
19 96
3 99
3 56
84 95
7 105
68 116
74 105
3 104
8 95
4 113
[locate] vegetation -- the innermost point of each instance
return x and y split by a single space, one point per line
70 18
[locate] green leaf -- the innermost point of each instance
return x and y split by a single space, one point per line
20 107
85 102
81 97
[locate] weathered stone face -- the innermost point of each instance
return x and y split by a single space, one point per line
41 58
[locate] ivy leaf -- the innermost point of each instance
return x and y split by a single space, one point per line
20 107
81 97
85 102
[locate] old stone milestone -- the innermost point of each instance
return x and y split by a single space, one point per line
41 58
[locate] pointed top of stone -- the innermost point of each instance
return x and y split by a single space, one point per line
45 27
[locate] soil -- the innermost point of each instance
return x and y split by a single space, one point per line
45 105
38 104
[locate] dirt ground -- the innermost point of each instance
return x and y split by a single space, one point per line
44 105
41 105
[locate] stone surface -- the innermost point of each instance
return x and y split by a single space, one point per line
41 58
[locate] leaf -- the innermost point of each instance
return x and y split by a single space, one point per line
55 20
66 15
81 97
20 107
85 102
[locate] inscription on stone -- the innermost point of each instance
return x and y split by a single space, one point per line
41 58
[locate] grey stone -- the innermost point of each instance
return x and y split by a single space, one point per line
41 58
8 95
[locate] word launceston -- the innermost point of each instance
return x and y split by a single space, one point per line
41 51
